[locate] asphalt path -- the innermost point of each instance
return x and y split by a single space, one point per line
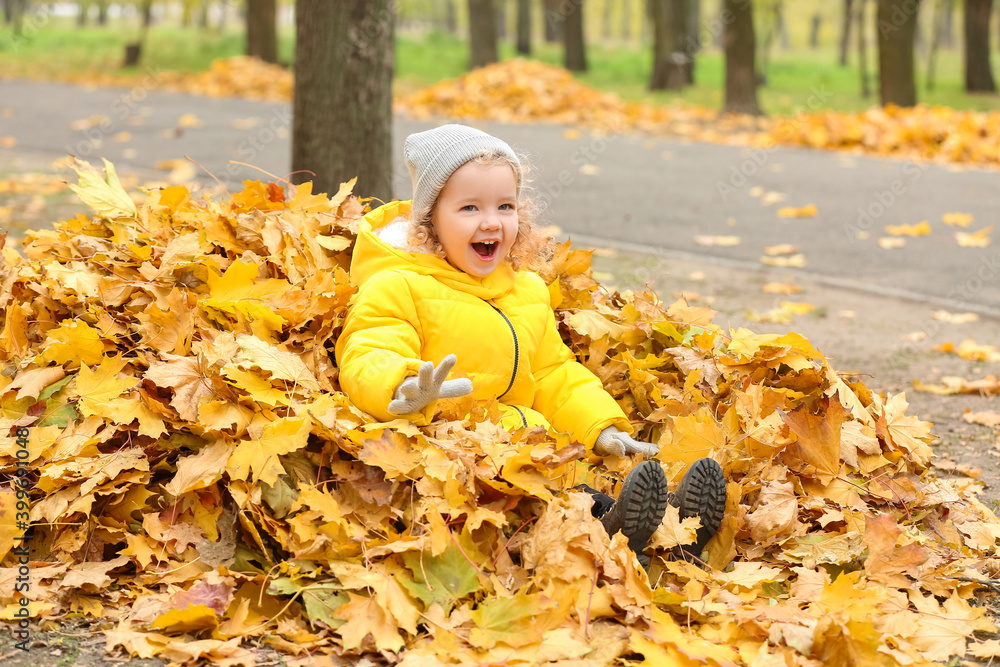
625 191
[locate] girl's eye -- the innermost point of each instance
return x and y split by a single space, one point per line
469 207
506 207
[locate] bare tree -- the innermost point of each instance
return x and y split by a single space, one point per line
670 61
524 27
896 23
482 33
626 19
845 31
343 61
978 75
262 30
740 48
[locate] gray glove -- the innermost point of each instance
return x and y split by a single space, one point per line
612 442
415 393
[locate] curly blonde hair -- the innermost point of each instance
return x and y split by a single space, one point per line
532 247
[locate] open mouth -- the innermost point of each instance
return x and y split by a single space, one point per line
486 250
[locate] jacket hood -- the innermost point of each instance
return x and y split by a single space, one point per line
372 255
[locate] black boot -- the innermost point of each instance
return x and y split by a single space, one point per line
702 493
639 509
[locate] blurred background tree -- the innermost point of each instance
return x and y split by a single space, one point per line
644 50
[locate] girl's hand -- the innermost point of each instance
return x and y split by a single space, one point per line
415 393
612 442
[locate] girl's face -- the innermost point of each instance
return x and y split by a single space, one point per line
476 217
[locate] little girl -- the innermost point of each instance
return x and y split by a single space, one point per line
446 278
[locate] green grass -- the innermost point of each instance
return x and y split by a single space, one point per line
793 77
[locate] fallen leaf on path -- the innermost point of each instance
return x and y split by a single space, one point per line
246 123
793 261
957 219
7 142
189 120
717 240
979 239
987 418
773 198
807 211
954 318
919 229
988 385
781 288
89 122
782 249
891 243
970 350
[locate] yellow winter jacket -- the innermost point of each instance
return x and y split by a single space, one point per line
413 307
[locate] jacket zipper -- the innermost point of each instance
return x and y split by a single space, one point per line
517 354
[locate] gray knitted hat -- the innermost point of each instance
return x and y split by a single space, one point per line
433 155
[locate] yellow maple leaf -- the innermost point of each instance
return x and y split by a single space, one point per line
105 195
365 616
99 388
260 454
73 342
192 618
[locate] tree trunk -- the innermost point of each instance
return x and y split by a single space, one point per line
896 29
451 17
845 31
81 16
574 47
8 12
774 32
626 20
501 19
863 47
554 21
948 25
740 49
978 75
524 27
693 44
606 21
102 12
817 23
935 43
482 33
147 13
203 15
919 43
343 61
262 31
670 62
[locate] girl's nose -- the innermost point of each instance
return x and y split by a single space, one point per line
491 221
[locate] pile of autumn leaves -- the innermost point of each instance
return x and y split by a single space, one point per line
525 91
201 485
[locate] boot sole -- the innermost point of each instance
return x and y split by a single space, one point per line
644 498
702 493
